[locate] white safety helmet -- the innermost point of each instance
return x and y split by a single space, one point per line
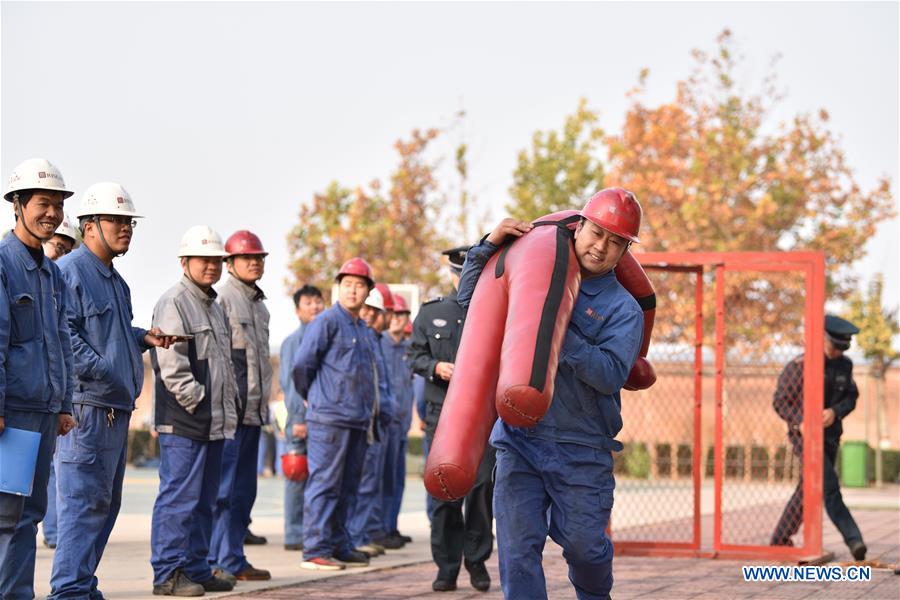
66 229
201 240
36 174
375 299
106 198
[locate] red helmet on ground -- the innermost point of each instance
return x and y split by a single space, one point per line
244 242
387 295
360 268
295 466
400 305
615 210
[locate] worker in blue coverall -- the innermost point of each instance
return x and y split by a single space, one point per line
365 523
394 346
308 303
109 374
36 382
565 463
334 369
196 410
63 241
243 303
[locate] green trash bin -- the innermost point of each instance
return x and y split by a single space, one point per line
853 464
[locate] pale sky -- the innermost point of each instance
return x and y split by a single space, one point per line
232 114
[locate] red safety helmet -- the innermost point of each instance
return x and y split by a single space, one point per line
615 210
400 305
360 268
295 466
244 242
387 295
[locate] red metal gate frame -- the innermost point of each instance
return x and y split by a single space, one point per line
812 265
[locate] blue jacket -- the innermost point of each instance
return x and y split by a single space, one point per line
35 349
401 379
293 401
600 347
109 371
385 391
334 369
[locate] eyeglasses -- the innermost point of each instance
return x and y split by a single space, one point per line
120 220
61 250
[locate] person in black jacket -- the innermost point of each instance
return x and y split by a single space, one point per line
461 528
840 400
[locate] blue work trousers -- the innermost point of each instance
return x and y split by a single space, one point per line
395 481
189 473
20 515
90 466
293 496
50 517
336 456
365 508
389 479
576 483
237 493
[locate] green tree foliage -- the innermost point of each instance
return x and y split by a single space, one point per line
878 327
393 229
561 169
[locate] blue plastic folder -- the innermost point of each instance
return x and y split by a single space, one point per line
18 457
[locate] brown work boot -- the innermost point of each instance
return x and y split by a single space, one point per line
251 573
178 584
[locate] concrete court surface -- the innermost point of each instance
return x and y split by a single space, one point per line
407 573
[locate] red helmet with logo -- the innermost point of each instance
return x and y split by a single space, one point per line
389 299
244 242
615 210
360 268
295 466
400 305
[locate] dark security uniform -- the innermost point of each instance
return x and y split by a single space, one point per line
840 395
461 528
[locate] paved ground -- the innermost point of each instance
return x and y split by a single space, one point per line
125 571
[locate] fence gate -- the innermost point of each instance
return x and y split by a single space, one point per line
707 468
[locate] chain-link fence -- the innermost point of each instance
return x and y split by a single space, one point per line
709 466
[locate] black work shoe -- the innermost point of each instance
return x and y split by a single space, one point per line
178 585
442 585
353 559
406 539
254 540
479 577
858 550
293 546
390 543
217 584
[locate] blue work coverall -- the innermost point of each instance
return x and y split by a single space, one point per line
36 384
296 410
366 522
248 318
334 369
395 455
196 411
565 462
90 461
